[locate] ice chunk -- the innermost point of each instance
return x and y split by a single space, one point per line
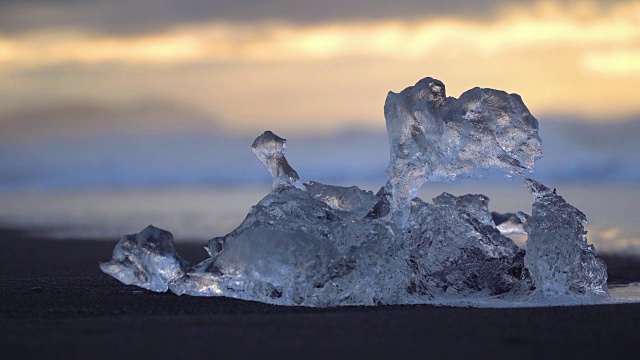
351 199
437 138
293 249
454 248
146 259
324 245
290 209
291 262
269 148
558 256
475 205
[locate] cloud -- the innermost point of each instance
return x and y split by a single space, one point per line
71 120
51 48
544 25
289 74
144 16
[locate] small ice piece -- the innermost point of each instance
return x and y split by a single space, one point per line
454 248
146 259
558 257
437 138
269 148
508 223
351 199
383 206
475 205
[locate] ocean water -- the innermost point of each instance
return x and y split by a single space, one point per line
198 214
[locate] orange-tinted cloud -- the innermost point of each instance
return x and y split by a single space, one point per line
557 56
544 25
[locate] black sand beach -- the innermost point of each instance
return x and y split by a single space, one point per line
56 304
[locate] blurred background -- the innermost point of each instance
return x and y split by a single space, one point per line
118 114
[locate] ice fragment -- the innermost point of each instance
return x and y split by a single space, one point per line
351 199
146 259
269 148
558 256
437 138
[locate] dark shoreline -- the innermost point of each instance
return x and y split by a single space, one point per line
57 304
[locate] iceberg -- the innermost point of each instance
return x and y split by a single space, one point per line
319 245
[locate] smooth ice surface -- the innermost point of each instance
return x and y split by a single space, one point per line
325 245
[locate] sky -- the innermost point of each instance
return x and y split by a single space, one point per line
309 66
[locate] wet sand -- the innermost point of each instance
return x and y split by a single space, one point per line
56 304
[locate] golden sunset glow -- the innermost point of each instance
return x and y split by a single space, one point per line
616 62
553 54
411 41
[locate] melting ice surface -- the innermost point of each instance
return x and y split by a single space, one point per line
321 245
